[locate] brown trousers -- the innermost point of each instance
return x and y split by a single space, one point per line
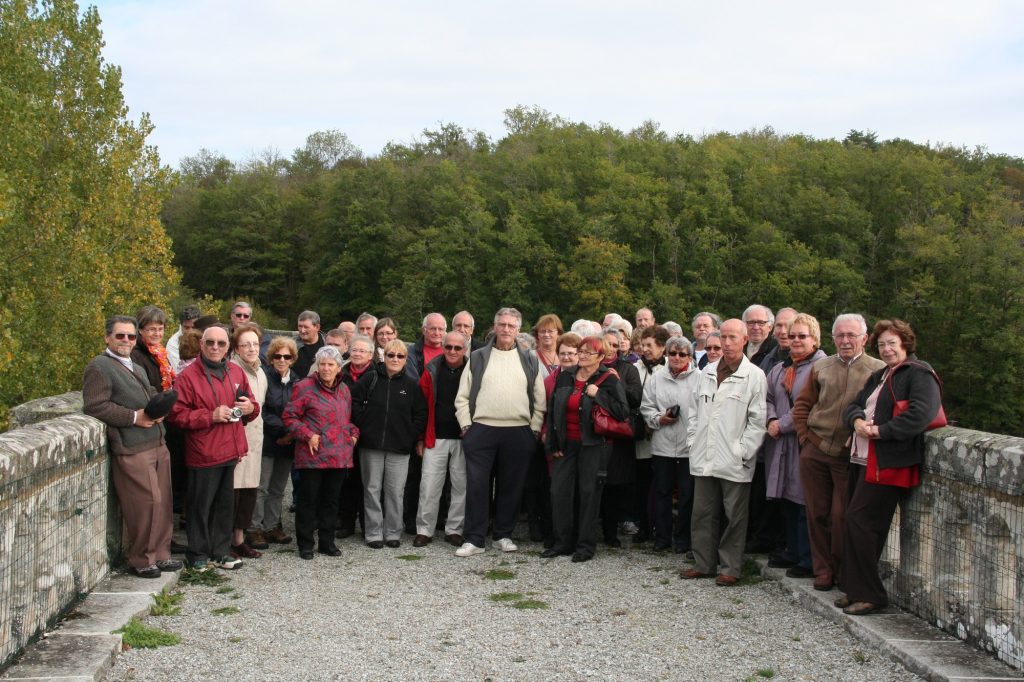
824 479
143 485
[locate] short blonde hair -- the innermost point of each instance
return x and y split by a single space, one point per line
279 342
396 345
812 325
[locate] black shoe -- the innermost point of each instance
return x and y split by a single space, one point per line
780 562
375 544
579 557
169 565
147 571
306 554
662 546
551 553
345 532
799 572
393 543
330 551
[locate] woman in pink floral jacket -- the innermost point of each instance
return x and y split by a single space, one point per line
319 416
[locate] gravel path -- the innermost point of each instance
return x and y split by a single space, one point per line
377 614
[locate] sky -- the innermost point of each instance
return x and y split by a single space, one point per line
239 78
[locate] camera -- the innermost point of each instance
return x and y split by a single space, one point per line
236 413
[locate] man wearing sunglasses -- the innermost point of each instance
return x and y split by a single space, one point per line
116 391
440 446
214 403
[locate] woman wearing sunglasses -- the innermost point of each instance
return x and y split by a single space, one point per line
391 412
278 445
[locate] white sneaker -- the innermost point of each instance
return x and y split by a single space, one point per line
469 549
227 563
506 545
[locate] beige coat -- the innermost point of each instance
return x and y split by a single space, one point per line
247 471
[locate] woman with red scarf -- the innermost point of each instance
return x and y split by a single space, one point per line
149 351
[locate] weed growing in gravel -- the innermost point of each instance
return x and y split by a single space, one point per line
859 656
664 581
166 604
236 640
137 635
505 596
763 673
227 589
499 574
735 600
410 557
795 638
751 573
225 611
726 614
209 578
284 551
529 604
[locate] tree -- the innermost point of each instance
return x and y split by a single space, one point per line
80 194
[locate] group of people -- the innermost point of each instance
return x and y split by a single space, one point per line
747 438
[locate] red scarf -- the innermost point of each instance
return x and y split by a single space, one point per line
159 354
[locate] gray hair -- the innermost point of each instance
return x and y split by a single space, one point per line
757 306
717 334
526 341
361 338
150 315
673 328
309 316
328 352
241 304
468 314
625 327
678 342
583 328
366 316
511 312
119 319
715 319
465 339
612 330
851 317
427 317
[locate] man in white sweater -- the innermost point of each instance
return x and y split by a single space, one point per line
500 407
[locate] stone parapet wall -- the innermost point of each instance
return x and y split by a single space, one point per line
53 523
955 555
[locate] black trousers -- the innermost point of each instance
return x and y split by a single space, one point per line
576 485
642 498
537 498
671 473
767 527
350 504
319 490
211 511
507 451
868 518
411 495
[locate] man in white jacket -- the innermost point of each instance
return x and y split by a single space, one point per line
723 435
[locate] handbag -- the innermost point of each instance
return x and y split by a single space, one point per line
605 424
901 406
899 477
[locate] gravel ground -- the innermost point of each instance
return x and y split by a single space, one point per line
377 614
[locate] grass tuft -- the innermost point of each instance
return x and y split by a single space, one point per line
505 596
138 635
529 604
208 578
225 611
226 589
410 557
499 574
166 604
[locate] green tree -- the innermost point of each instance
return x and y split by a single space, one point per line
80 194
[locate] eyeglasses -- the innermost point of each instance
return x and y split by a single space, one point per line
242 316
759 323
712 348
434 329
210 343
843 337
121 336
677 354
794 337
585 353
395 356
451 347
281 356
567 354
358 351
889 344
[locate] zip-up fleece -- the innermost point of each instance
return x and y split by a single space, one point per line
390 412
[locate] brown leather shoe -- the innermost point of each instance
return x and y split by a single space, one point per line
862 608
724 580
256 539
693 573
421 541
455 540
278 536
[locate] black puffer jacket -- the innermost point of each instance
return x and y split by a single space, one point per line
901 439
279 394
390 412
610 396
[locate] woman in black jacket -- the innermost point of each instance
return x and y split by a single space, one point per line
391 412
887 453
580 456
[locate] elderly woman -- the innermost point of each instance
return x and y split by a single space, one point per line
712 348
546 331
617 496
350 506
667 405
278 444
579 455
652 359
888 417
391 412
782 447
246 342
319 418
149 351
384 332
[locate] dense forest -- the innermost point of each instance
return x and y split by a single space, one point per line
582 220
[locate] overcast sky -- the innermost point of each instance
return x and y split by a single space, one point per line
239 77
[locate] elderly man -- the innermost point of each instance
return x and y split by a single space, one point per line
365 324
428 346
441 446
780 332
723 436
824 455
464 322
703 324
500 407
116 391
759 320
644 318
310 341
241 313
214 403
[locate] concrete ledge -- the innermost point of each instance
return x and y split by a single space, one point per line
82 647
918 646
49 407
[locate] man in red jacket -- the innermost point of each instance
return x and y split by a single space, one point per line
214 401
